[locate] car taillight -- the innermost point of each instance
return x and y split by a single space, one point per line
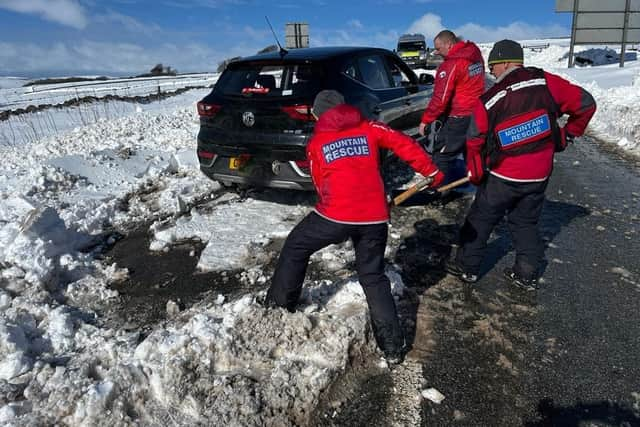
207 155
303 163
207 110
299 112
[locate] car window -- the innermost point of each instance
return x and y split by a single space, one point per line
351 70
399 77
269 80
373 72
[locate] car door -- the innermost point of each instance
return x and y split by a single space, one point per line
380 99
414 99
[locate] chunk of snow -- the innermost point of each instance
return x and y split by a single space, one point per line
433 395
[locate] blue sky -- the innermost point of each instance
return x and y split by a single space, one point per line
123 37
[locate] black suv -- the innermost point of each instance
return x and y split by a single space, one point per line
256 122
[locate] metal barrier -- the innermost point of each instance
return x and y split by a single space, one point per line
536 47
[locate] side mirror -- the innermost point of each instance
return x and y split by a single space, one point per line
426 79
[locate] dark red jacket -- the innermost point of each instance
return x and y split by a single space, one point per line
344 153
570 99
458 84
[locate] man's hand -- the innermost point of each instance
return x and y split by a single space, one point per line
422 128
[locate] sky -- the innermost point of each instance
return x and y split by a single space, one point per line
124 37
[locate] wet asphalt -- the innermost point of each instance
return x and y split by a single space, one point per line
568 354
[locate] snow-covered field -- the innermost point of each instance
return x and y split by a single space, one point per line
14 95
62 194
27 129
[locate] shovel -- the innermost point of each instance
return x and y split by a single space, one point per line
416 188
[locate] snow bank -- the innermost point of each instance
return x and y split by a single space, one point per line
236 363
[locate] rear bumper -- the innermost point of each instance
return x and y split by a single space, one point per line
273 183
266 145
258 173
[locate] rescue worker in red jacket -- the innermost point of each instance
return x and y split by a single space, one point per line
510 147
344 154
459 81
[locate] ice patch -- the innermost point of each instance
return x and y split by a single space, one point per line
622 271
433 395
229 231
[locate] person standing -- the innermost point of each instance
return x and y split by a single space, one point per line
511 142
344 155
459 81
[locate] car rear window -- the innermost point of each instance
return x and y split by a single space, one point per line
268 80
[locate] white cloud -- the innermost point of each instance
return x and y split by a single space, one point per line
355 23
65 12
258 35
212 4
360 37
112 58
430 25
129 23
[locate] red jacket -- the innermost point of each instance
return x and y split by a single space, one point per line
537 165
458 84
344 154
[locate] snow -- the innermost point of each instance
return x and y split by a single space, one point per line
433 395
12 82
71 176
14 95
229 236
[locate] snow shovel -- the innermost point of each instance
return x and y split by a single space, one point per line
416 188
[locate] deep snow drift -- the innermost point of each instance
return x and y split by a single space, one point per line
67 184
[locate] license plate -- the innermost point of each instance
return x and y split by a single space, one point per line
236 163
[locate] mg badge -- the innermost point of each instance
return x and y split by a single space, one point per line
248 119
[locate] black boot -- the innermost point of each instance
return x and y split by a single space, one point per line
528 284
457 270
396 356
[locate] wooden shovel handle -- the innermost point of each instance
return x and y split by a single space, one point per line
454 184
415 188
421 186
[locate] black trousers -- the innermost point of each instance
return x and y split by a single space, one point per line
369 241
522 203
450 142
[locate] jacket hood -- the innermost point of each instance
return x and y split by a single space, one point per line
465 50
339 118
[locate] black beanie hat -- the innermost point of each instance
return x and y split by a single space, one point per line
506 51
325 100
